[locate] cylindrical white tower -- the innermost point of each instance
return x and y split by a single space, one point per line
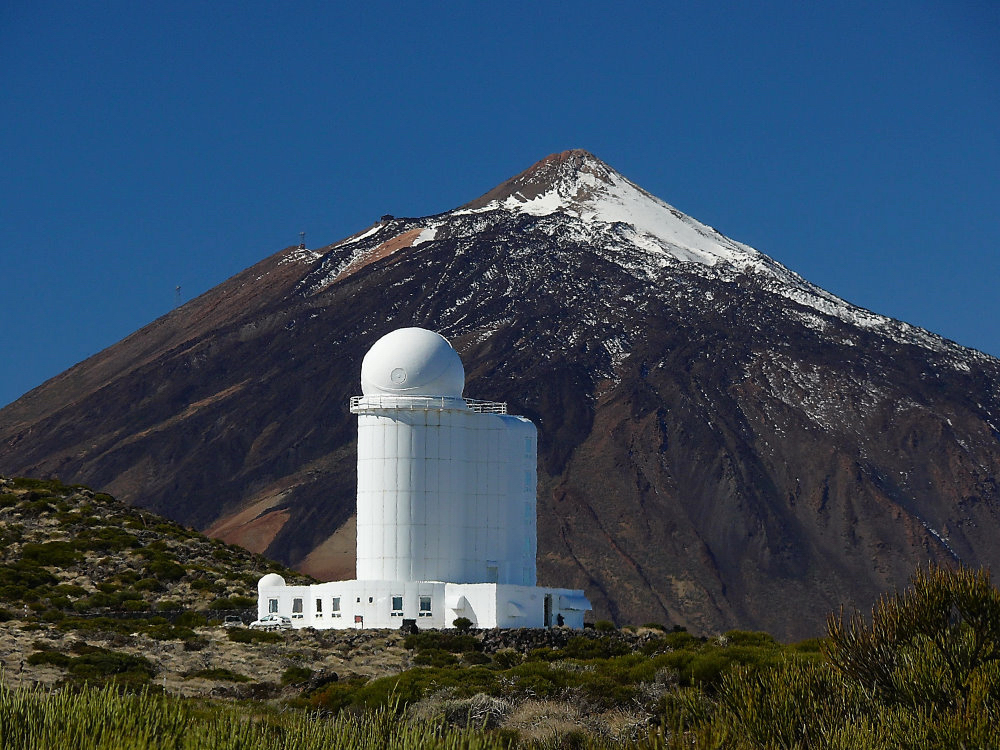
446 487
412 460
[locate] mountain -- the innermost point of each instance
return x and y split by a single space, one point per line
722 443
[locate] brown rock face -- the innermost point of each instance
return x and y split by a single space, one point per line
721 444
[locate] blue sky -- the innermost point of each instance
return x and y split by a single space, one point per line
146 146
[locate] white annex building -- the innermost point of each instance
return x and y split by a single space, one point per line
446 507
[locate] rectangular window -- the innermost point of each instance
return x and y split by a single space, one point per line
335 607
527 447
319 607
527 481
296 608
425 606
272 605
397 607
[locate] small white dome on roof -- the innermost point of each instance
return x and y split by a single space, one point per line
269 581
412 362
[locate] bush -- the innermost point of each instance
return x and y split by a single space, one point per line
436 640
57 554
168 632
220 674
935 646
294 675
191 620
246 635
54 658
464 624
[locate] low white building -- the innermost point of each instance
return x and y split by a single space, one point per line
446 506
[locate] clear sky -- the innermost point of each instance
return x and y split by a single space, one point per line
145 146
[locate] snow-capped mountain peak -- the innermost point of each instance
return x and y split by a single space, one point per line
578 184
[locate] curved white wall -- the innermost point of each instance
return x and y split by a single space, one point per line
445 495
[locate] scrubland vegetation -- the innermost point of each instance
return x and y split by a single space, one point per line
922 671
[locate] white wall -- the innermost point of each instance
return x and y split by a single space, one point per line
486 605
445 494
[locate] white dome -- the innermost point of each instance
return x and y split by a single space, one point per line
270 581
412 362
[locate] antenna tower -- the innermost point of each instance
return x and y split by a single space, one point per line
177 296
302 240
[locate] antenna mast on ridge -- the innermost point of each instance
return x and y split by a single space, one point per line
302 240
177 296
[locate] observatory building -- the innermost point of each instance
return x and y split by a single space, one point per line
446 506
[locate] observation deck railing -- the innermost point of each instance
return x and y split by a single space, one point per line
359 403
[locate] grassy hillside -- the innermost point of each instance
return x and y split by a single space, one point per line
67 551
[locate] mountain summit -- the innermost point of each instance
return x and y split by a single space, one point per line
721 443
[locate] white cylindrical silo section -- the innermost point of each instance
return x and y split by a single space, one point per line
413 467
520 540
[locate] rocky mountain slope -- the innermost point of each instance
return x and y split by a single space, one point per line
721 443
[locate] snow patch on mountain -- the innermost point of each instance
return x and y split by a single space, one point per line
585 205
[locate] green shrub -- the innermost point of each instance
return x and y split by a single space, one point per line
69 589
246 635
464 624
507 658
167 632
337 695
604 626
101 663
107 539
220 674
57 554
934 646
438 640
45 486
295 674
191 619
580 647
165 570
435 657
54 658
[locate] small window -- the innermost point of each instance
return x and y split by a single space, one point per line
527 447
492 572
272 605
425 606
297 606
397 606
335 605
527 481
319 606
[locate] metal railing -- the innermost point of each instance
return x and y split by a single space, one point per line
427 402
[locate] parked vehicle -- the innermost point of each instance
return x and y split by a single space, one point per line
232 621
272 622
